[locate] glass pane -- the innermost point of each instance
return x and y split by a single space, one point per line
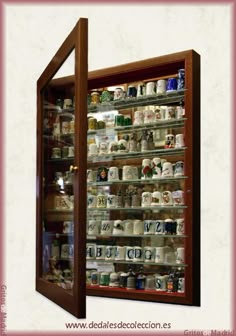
58 183
136 186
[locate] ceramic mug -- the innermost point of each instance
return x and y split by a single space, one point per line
138 253
146 169
150 88
159 254
178 197
171 85
113 147
148 254
179 140
113 174
122 146
169 141
65 127
93 227
118 93
106 227
90 175
159 227
161 87
180 226
149 227
170 112
110 252
118 227
137 227
156 198
179 168
112 201
56 153
167 169
127 173
180 255
149 116
120 252
129 253
92 201
100 251
156 168
167 198
138 117
93 149
71 151
146 199
90 251
128 227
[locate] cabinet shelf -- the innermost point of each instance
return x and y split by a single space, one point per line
132 155
175 97
153 209
156 125
139 181
91 237
136 263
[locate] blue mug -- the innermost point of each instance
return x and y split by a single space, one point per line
181 79
171 84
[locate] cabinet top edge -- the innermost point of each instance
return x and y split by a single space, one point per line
123 68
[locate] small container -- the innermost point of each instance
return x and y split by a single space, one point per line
94 278
92 123
104 279
95 98
119 120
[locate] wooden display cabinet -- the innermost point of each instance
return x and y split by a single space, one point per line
73 246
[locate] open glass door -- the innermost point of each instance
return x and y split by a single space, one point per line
61 175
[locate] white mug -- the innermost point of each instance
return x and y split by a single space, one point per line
146 199
167 198
150 88
93 149
67 103
146 169
110 252
170 112
159 255
180 226
178 197
65 127
138 117
179 168
92 201
113 147
120 252
129 253
90 251
113 174
161 282
100 251
149 227
118 93
137 227
180 255
156 198
180 112
112 201
179 140
56 153
148 254
71 151
90 175
128 226
118 227
159 227
93 227
138 253
149 116
103 148
127 173
161 87
122 146
56 129
167 169
156 168
106 227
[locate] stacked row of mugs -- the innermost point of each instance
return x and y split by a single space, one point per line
147 254
159 282
151 168
147 199
136 227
